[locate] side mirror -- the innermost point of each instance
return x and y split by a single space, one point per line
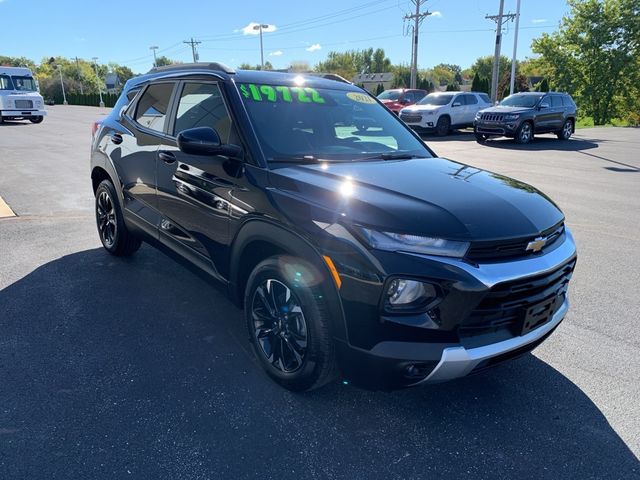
456 104
543 105
205 141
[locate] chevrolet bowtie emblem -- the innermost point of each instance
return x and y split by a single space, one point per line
536 245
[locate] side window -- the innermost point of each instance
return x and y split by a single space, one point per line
201 105
420 96
555 101
568 101
152 107
459 99
408 97
485 97
470 99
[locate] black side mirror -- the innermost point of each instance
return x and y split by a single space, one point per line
206 141
543 105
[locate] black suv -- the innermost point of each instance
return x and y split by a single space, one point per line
521 115
356 254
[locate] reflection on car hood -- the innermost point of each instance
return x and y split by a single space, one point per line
432 197
422 108
504 109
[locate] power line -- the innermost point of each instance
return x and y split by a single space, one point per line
417 17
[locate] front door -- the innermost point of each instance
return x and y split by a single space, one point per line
458 109
197 193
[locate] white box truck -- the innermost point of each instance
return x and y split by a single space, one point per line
19 97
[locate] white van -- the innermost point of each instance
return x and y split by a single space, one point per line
19 97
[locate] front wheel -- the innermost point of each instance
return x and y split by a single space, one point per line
114 235
37 119
524 134
480 137
289 323
567 130
443 126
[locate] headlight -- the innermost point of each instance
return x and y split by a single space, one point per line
399 242
431 112
403 292
38 103
478 116
512 116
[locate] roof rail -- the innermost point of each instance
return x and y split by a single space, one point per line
193 66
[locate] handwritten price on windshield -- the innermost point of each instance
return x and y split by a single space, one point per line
260 93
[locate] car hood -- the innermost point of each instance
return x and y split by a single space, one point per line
503 109
423 108
430 197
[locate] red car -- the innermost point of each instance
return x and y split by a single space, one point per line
398 98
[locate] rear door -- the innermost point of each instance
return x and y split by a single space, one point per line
458 110
472 107
545 116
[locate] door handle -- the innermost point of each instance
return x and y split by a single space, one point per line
116 138
167 157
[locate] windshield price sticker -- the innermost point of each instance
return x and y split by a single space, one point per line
269 93
360 97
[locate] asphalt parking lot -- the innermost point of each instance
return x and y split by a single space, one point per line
138 368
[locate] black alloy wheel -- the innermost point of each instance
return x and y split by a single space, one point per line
280 327
106 218
114 235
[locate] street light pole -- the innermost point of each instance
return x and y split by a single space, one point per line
260 27
95 67
155 59
64 96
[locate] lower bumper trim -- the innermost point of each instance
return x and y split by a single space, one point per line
458 361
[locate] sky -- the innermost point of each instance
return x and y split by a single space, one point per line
122 31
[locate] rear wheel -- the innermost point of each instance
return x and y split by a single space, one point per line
524 134
37 119
443 126
567 130
114 235
289 324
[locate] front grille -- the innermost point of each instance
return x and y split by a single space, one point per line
24 103
486 251
492 117
412 118
520 305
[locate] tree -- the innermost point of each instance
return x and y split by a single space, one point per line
163 61
379 89
453 87
594 56
248 66
455 70
475 84
349 63
483 66
543 86
521 84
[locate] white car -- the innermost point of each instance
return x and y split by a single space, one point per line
442 111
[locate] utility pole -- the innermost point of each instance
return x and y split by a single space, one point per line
260 27
155 59
95 66
79 75
417 18
64 96
515 48
193 44
496 55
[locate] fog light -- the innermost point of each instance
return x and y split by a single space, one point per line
403 293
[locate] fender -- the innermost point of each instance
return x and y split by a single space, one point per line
294 244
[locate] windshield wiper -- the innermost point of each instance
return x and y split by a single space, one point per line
294 159
393 156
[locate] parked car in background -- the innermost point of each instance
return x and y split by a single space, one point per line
521 115
398 98
19 97
442 111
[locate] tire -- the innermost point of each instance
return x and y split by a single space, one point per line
37 119
524 134
113 232
480 137
289 324
443 126
1 119
567 130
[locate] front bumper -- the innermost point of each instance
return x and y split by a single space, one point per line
23 113
496 129
396 355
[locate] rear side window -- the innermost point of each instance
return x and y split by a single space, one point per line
151 111
556 101
485 98
202 105
568 101
470 99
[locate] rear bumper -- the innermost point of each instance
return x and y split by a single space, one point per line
23 113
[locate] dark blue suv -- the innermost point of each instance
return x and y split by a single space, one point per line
356 253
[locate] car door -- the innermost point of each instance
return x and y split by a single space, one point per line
457 110
557 107
133 146
472 106
197 195
545 116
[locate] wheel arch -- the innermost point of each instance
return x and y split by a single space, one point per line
259 239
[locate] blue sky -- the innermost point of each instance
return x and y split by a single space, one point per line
122 31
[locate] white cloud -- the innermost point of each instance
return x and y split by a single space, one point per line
249 30
436 14
314 47
538 20
277 53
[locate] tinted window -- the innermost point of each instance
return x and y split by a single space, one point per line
556 101
436 99
410 97
390 95
152 107
522 100
568 101
201 105
470 99
485 98
420 95
324 123
5 82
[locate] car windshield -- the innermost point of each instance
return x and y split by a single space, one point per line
390 95
5 82
436 99
24 84
308 124
528 101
